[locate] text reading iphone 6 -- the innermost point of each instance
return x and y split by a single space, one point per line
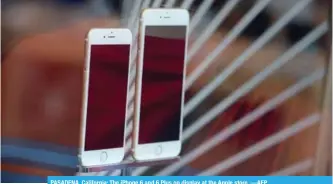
105 96
160 83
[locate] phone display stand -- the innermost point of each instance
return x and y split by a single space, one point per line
126 165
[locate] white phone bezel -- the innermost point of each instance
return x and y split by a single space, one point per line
156 17
102 36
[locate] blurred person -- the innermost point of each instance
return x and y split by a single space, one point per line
33 129
42 87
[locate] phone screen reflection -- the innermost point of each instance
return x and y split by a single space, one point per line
162 83
107 93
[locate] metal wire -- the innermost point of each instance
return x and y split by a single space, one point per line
258 44
132 73
263 145
135 28
187 4
170 3
211 28
243 122
202 10
231 36
128 145
131 94
135 11
294 168
245 88
129 129
157 3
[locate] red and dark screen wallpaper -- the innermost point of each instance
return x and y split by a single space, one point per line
107 93
162 83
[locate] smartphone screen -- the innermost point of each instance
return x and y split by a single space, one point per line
162 83
107 93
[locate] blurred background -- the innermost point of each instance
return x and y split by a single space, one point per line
258 87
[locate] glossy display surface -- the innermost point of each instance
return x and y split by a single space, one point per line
162 83
107 93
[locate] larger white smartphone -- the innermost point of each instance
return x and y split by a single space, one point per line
104 112
160 82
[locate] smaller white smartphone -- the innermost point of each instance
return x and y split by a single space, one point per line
159 97
104 112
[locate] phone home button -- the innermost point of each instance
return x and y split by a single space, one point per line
158 150
104 156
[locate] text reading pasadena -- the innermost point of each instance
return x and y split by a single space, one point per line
96 181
